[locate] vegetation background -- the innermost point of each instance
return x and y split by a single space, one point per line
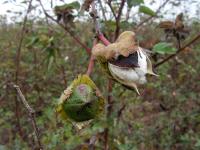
43 56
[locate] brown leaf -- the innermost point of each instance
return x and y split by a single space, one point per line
124 45
86 5
149 43
187 49
179 22
166 25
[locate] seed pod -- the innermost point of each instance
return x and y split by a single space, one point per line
81 101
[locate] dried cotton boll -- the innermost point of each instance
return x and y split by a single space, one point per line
125 61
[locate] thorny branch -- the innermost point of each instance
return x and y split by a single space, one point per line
17 62
179 50
31 113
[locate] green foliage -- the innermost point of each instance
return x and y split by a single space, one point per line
146 10
132 3
164 48
164 117
69 6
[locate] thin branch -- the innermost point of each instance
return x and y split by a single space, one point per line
149 18
118 18
91 62
103 10
17 62
112 9
99 35
179 50
119 113
106 146
31 113
88 50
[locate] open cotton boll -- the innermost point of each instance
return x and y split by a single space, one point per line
126 74
142 62
142 69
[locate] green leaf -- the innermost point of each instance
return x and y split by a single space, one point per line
69 6
132 3
147 10
74 5
50 62
164 48
33 41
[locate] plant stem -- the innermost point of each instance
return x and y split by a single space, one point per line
31 113
17 62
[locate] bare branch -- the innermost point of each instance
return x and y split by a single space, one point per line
31 113
103 10
179 50
91 62
149 18
118 18
17 62
111 8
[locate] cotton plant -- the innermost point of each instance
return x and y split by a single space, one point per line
125 61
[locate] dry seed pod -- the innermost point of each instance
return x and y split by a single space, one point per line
179 22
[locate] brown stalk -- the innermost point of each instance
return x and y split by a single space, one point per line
111 8
119 18
31 113
17 62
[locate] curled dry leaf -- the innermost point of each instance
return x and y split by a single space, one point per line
176 28
166 25
179 22
124 45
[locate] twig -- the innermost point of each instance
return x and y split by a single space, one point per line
88 50
106 147
149 18
179 50
17 62
103 11
91 62
119 113
118 18
31 113
111 8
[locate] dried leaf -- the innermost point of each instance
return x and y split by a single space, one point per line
86 5
179 22
124 45
166 25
